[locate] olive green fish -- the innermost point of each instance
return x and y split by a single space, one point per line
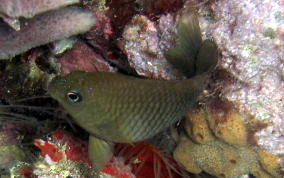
118 108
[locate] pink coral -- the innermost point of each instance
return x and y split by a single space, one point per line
29 8
42 29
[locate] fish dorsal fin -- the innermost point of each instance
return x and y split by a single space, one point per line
189 42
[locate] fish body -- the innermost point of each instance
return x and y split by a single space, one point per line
119 108
125 109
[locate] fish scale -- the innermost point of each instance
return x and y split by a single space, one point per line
118 108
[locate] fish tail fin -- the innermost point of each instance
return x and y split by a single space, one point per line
188 56
183 56
100 153
207 58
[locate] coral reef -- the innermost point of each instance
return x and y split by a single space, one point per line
220 159
31 80
242 128
243 103
14 155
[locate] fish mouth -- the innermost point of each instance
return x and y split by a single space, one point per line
53 89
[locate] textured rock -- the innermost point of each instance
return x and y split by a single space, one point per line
82 57
250 38
141 43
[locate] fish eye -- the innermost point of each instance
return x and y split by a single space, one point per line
73 97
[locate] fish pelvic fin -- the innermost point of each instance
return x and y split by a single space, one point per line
100 152
191 54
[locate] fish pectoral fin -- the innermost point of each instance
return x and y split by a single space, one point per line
100 152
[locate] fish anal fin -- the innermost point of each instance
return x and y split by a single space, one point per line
100 152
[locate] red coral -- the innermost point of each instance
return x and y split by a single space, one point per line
26 173
148 161
48 148
117 168
76 149
141 159
62 144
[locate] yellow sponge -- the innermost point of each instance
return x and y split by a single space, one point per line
216 142
197 127
226 123
219 159
269 162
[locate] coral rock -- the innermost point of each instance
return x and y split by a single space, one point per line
141 45
249 35
82 57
